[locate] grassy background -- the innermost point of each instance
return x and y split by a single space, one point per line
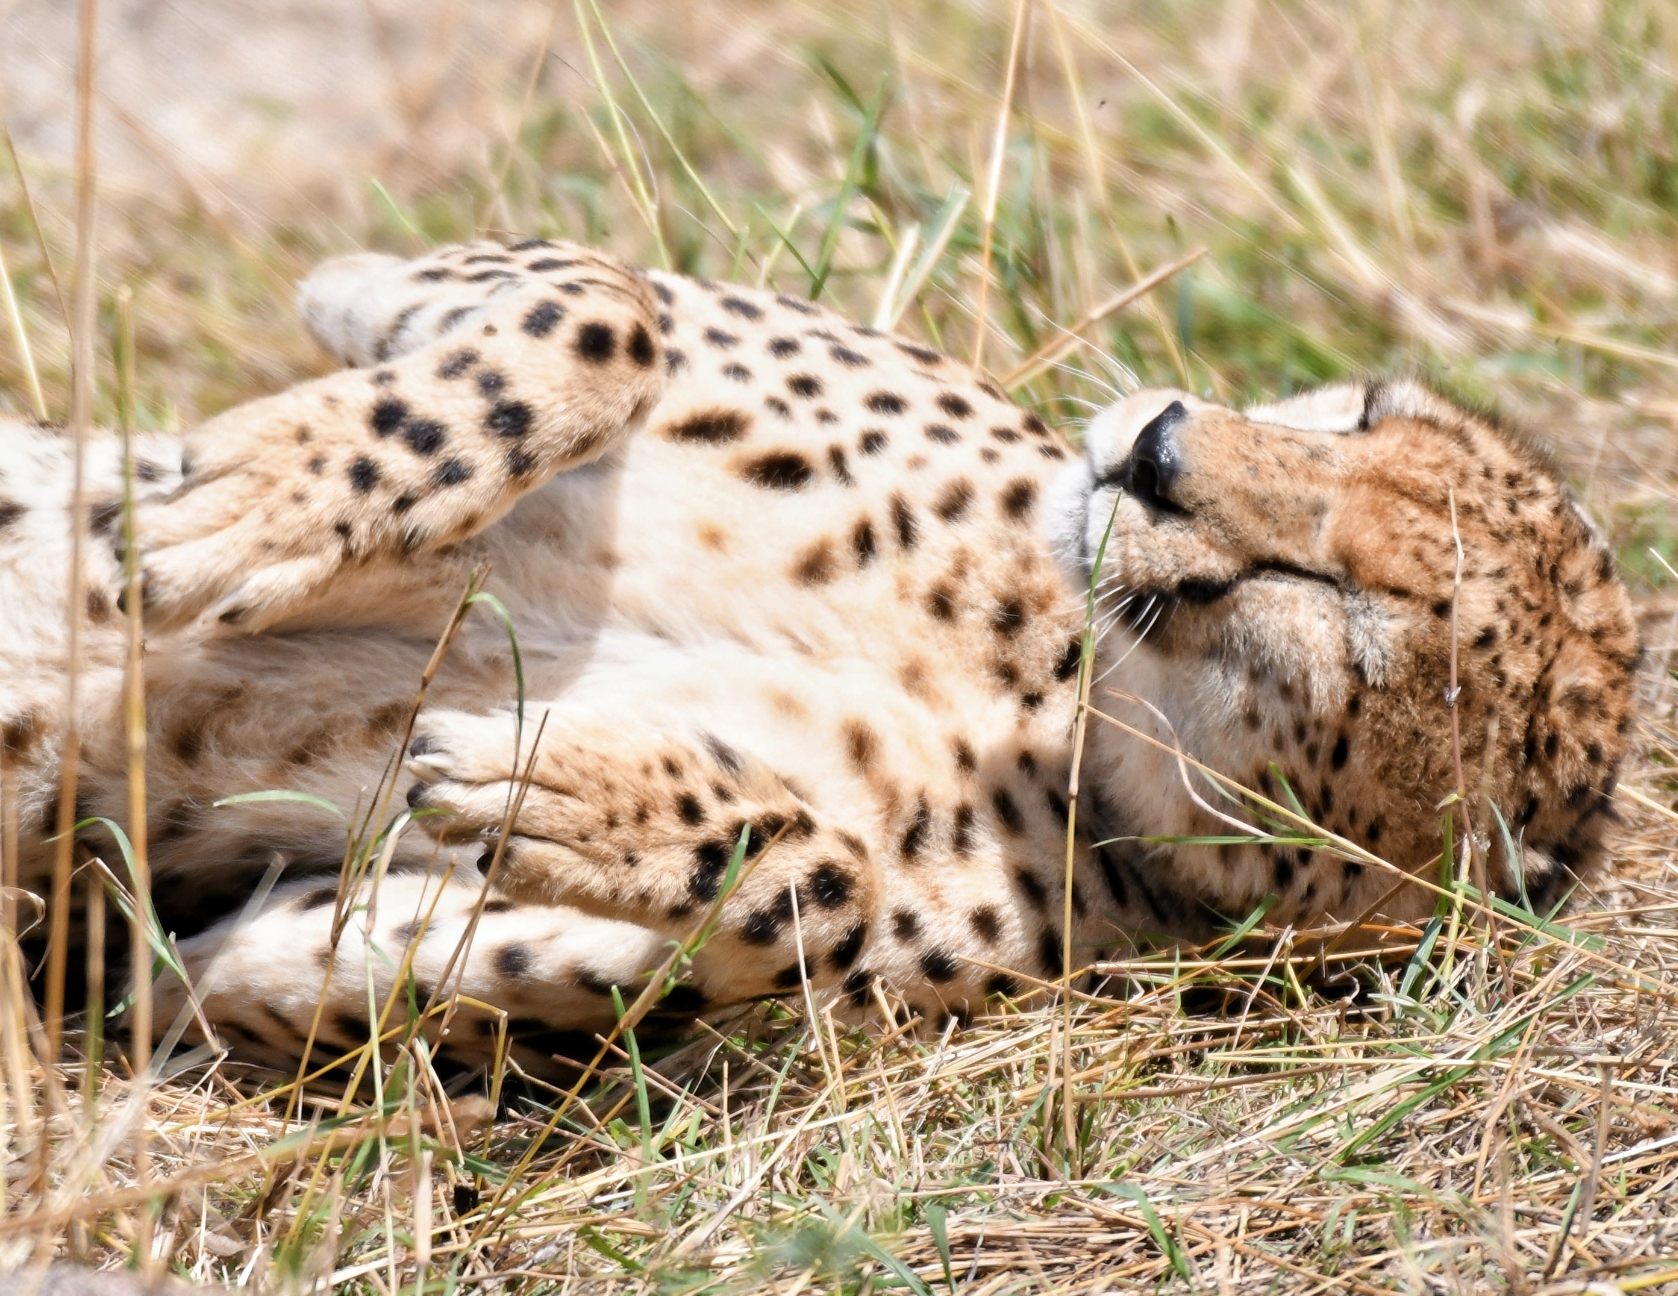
1483 192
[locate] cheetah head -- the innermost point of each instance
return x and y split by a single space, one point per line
1279 594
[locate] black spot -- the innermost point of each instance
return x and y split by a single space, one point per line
512 962
908 532
641 349
364 474
509 418
387 416
782 347
780 470
941 603
963 842
815 564
788 976
737 373
839 466
924 354
805 385
842 955
451 472
915 837
1018 499
1070 658
424 436
884 402
830 885
762 928
710 861
542 318
1009 618
1283 870
596 342
845 356
1112 876
954 405
856 987
942 434
741 307
688 807
718 338
792 303
952 504
1003 985
1337 757
1007 811
1035 425
318 898
871 442
986 923
710 427
675 360
723 754
457 363
102 517
939 965
904 925
862 542
491 383
434 274
1033 887
404 503
519 461
1049 950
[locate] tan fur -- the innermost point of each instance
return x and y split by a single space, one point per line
770 569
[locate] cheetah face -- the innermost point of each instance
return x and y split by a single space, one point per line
1278 593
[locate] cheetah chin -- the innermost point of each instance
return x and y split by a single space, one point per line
779 578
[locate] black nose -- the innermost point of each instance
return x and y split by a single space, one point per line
1152 469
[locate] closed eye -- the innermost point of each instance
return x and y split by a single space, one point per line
1202 592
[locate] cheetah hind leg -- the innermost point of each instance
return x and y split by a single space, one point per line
542 974
495 384
640 825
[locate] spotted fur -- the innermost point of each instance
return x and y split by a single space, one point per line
777 574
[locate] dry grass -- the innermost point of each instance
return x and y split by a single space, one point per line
1487 191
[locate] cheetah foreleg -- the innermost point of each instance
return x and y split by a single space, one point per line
372 465
640 826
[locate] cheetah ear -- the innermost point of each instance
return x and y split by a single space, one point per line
1357 407
1336 408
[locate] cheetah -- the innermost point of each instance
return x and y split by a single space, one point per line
780 579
